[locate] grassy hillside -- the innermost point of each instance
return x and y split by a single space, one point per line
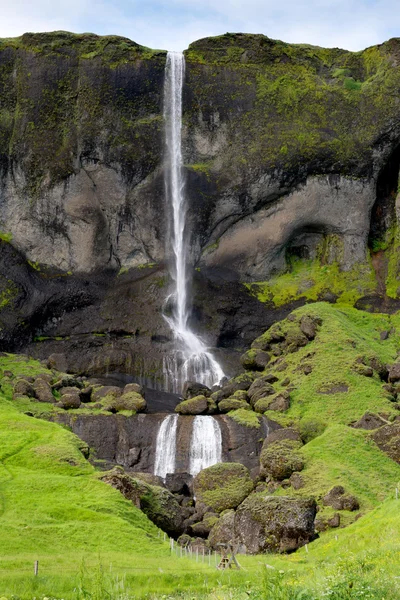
91 543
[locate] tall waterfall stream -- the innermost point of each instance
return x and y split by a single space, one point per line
192 361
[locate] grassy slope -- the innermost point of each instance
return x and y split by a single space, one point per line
54 509
340 455
346 334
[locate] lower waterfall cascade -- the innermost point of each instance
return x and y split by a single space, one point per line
166 447
205 444
205 447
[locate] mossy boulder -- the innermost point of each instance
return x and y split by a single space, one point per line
338 499
261 388
232 404
163 509
23 387
387 438
223 530
279 402
204 527
194 406
266 523
43 391
69 400
131 401
255 360
223 486
281 458
106 391
156 502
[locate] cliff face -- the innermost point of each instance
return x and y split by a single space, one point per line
288 149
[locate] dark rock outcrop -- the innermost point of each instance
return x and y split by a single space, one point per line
274 524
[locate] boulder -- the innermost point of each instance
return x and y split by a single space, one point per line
195 406
69 390
130 488
370 421
339 500
260 389
281 458
43 391
279 402
387 438
156 502
58 362
67 381
131 401
223 486
86 394
380 368
232 403
110 391
255 360
296 481
191 389
394 373
223 530
266 523
204 527
179 483
279 435
24 388
69 400
308 326
134 387
295 339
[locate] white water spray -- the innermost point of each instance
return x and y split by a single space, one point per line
166 447
192 361
205 444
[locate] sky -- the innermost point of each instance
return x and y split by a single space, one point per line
174 24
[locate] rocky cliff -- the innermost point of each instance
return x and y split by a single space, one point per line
289 150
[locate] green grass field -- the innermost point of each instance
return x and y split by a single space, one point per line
92 544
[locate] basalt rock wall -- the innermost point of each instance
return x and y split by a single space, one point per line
283 147
131 442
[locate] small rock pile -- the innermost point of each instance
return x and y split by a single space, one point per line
72 392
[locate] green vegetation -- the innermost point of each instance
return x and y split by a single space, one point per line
6 237
313 105
345 337
245 417
313 279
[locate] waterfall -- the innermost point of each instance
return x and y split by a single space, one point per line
166 447
192 361
205 444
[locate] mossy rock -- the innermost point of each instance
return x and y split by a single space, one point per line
223 486
255 360
281 459
280 402
194 406
130 401
245 417
232 403
265 523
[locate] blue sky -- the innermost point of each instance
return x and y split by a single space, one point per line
173 24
